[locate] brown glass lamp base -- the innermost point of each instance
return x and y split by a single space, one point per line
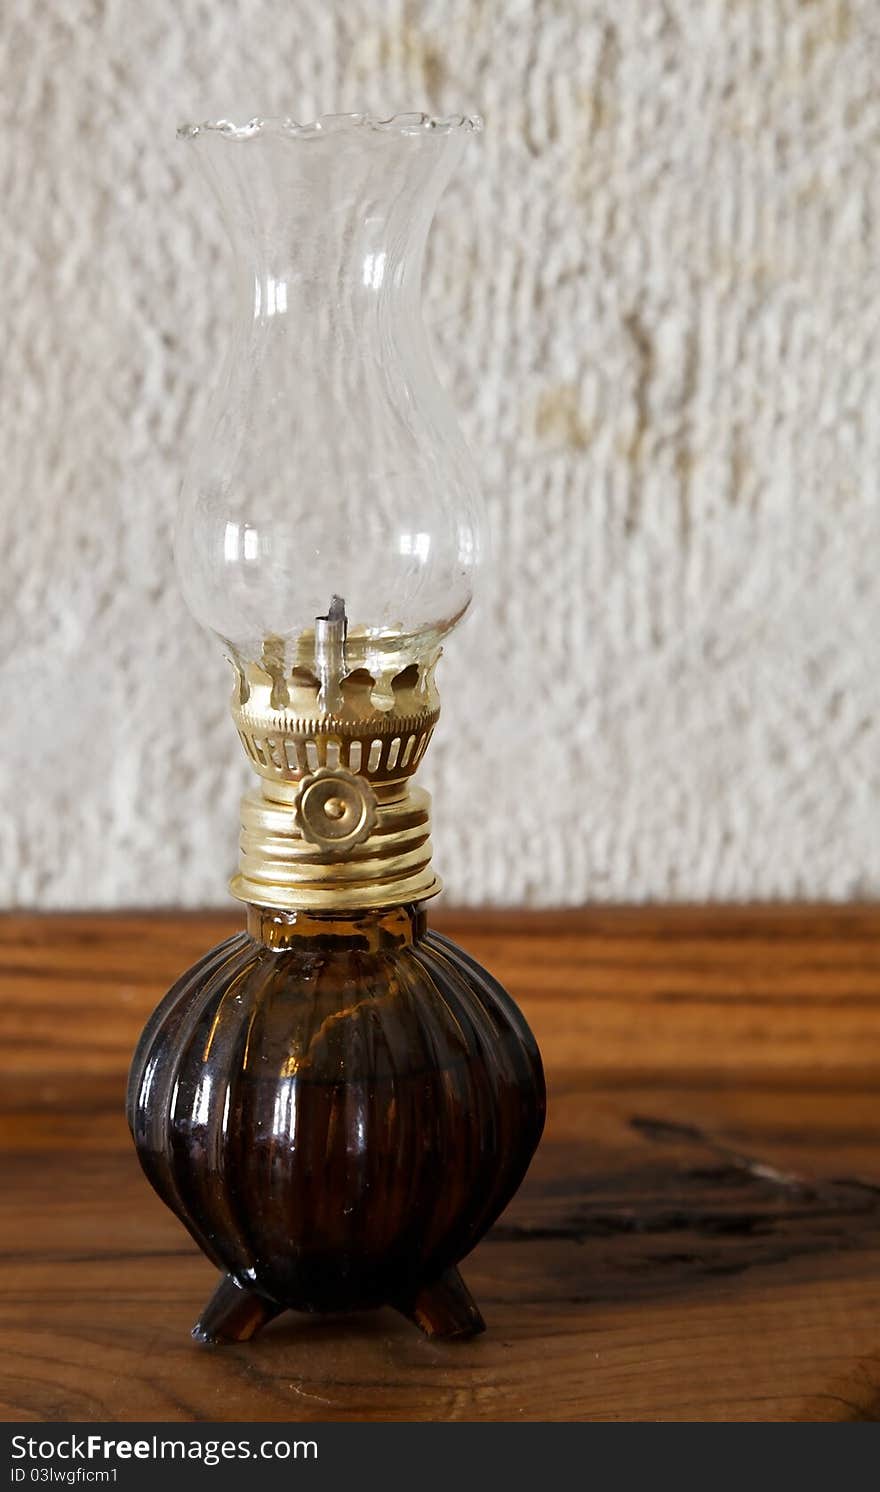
337 1108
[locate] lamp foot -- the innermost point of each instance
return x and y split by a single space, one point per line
445 1308
234 1314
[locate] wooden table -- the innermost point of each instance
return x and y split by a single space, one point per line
698 1239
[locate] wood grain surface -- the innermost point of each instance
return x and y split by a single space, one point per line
698 1239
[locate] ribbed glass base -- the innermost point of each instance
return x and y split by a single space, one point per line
337 1108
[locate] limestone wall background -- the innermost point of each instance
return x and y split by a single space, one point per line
654 290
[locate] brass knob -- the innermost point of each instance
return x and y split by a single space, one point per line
335 810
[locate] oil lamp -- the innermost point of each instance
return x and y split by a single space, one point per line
336 1102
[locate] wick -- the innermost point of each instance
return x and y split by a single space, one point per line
330 634
336 613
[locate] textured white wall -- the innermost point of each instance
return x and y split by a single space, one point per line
655 290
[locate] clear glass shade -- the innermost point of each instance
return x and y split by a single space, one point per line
330 465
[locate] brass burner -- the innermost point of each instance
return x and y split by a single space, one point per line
334 823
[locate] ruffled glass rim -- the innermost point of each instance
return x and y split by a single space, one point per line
333 124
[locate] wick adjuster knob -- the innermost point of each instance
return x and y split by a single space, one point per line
335 810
